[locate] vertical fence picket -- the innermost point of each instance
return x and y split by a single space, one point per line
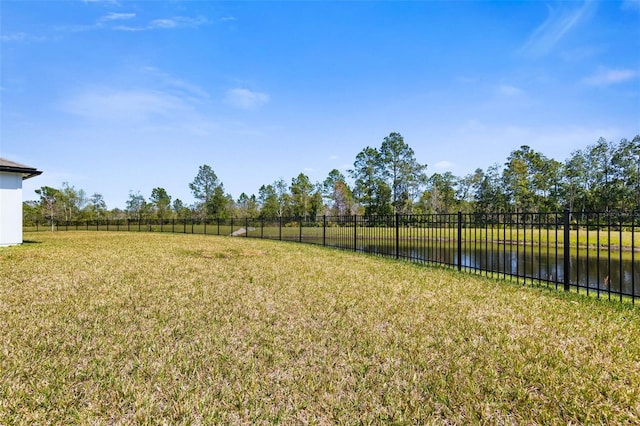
587 257
577 257
620 272
608 278
567 253
355 232
397 245
324 230
459 241
633 258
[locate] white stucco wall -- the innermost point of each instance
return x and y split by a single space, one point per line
10 209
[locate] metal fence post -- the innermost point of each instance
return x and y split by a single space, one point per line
397 219
566 260
355 232
324 230
459 241
246 227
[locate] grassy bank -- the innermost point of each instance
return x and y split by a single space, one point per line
147 327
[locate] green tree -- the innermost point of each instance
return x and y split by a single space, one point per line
49 203
302 191
574 185
70 201
338 194
531 180
137 206
247 206
626 174
371 189
161 202
207 188
30 212
96 207
316 207
547 180
634 182
228 206
440 196
268 202
490 195
118 214
402 172
180 211
283 197
466 188
516 179
601 193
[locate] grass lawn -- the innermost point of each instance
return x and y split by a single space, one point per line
121 328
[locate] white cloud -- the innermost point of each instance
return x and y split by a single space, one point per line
555 27
163 23
14 37
607 77
19 37
177 22
128 28
176 85
117 17
246 99
123 105
509 91
114 21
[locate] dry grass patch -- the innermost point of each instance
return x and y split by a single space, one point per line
126 328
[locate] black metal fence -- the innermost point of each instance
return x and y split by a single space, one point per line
593 253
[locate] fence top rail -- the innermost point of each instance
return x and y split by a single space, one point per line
579 217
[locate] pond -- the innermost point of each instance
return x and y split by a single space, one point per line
594 270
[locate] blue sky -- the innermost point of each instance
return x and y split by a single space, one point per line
118 96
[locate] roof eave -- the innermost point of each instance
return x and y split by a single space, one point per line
34 173
26 173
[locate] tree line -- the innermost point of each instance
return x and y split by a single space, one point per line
388 179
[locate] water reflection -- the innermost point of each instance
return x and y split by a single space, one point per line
604 272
